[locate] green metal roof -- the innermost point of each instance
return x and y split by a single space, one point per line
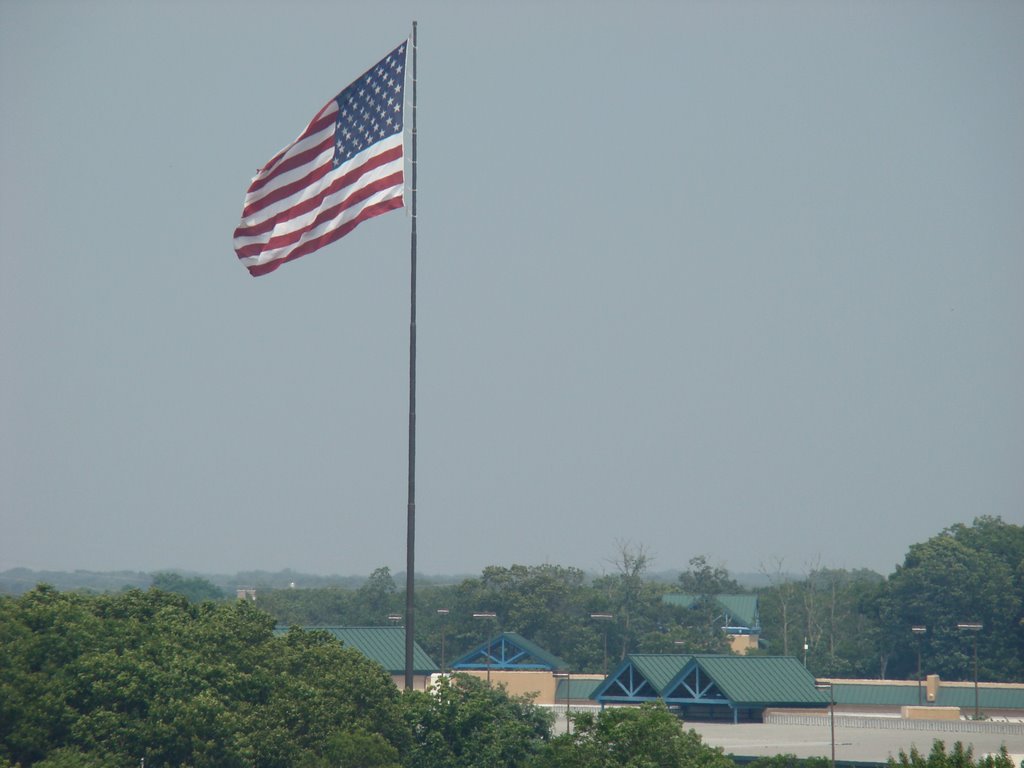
886 695
740 610
578 689
754 681
659 669
741 681
640 677
536 652
509 651
384 645
680 600
903 695
988 697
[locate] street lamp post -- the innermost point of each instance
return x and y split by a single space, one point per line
487 642
918 630
443 613
974 627
604 617
567 677
831 716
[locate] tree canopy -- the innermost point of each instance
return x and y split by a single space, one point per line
958 757
854 623
151 675
180 677
649 736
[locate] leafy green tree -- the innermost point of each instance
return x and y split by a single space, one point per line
834 611
635 601
778 609
544 603
462 722
990 534
71 758
356 749
960 757
194 588
548 604
838 630
649 736
706 580
698 628
377 599
689 636
790 761
41 633
150 675
317 607
961 575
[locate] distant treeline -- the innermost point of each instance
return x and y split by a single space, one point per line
17 581
842 623
152 678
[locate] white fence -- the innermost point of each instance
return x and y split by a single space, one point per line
898 723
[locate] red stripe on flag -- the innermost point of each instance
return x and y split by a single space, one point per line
286 191
305 198
327 214
313 203
323 118
289 163
330 237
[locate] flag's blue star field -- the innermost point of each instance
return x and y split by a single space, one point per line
371 108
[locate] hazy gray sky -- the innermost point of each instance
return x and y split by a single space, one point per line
742 279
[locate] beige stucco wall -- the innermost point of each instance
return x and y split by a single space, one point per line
741 644
930 713
540 686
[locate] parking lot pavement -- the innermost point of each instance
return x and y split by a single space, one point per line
869 745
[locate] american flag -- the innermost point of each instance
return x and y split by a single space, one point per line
346 167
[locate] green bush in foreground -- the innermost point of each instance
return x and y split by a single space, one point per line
114 679
649 736
960 757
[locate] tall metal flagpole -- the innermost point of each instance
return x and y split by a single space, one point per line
410 543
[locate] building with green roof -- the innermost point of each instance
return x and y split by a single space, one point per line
526 669
1000 700
385 646
739 616
712 686
509 651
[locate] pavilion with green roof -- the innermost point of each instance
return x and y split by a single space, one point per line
509 652
712 686
739 616
385 646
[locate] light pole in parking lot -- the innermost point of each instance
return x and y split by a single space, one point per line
443 613
974 627
831 716
487 642
918 630
604 617
567 677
